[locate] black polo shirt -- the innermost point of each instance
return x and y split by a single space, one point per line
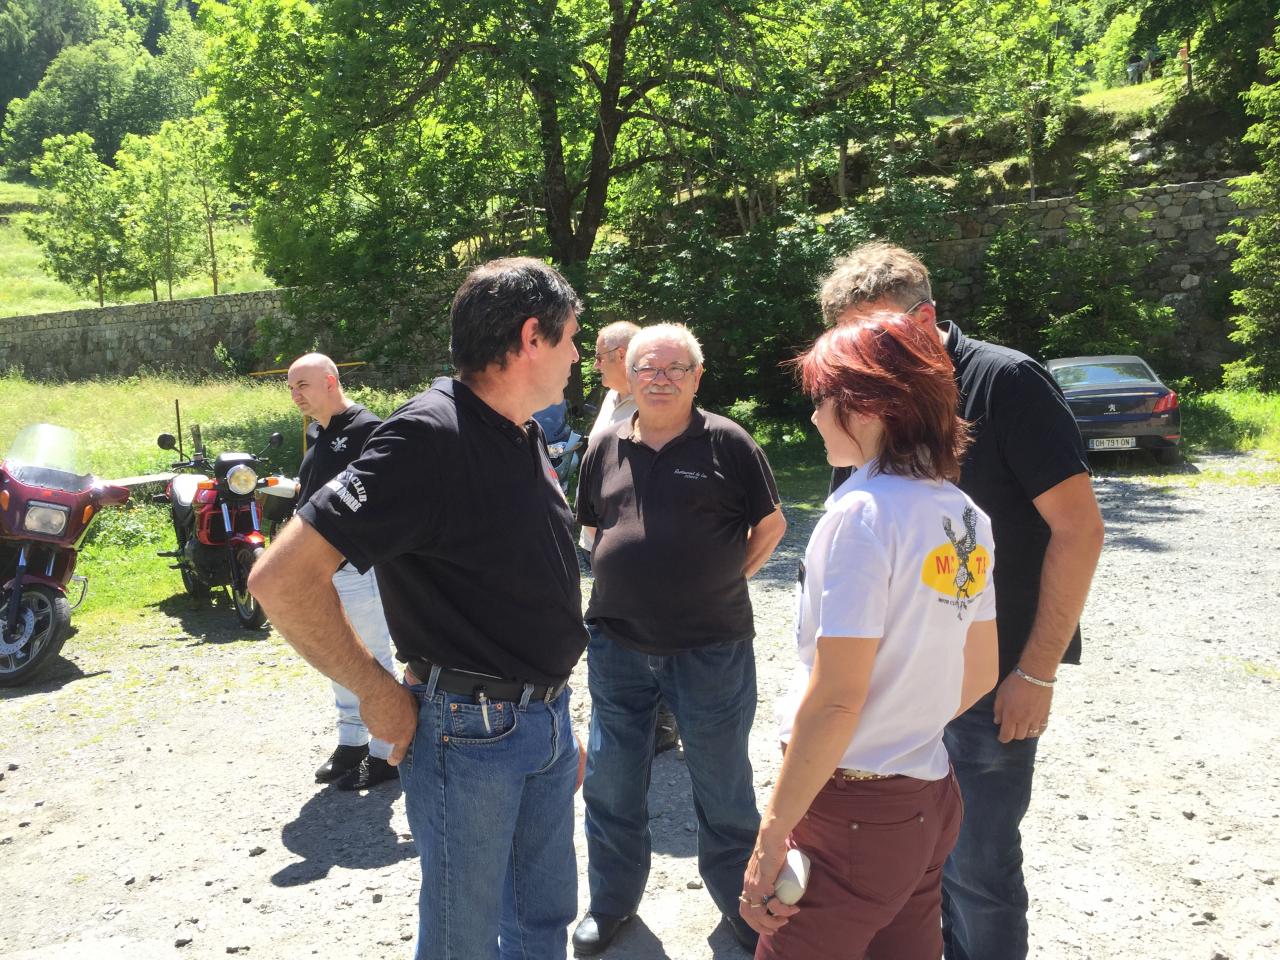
1025 442
671 533
331 449
462 514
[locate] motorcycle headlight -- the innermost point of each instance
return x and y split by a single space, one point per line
241 479
46 518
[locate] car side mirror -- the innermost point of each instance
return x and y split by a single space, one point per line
166 441
275 440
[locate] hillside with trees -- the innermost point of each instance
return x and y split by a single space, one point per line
699 161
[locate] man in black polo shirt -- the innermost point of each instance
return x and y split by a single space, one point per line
681 509
454 500
1027 469
334 440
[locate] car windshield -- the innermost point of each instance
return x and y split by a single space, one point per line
43 455
1106 374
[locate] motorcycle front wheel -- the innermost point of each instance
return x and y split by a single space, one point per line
248 611
44 623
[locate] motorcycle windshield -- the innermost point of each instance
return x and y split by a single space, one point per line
43 455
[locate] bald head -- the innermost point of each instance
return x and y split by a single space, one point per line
314 387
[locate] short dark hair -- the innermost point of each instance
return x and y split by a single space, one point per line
491 306
894 368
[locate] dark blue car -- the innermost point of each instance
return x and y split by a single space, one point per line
1120 404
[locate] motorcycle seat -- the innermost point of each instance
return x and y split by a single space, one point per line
184 487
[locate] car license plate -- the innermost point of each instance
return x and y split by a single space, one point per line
1113 443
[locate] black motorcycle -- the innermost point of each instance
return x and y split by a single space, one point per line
217 522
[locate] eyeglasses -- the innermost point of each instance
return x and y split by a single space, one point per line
917 305
674 373
603 355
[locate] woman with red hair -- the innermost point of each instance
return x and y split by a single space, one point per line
896 636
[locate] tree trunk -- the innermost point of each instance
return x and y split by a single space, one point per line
208 224
1031 151
98 277
842 165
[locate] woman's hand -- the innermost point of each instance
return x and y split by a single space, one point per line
757 904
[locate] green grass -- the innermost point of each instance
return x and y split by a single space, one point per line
16 191
1126 99
117 422
1232 420
25 288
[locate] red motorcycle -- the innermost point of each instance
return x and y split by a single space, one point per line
217 522
46 507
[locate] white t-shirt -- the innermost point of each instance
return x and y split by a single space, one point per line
908 561
612 410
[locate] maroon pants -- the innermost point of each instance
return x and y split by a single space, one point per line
875 884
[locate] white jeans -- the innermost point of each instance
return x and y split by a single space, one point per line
360 599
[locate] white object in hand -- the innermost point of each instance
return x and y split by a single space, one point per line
794 878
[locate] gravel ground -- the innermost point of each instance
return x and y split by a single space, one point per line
157 801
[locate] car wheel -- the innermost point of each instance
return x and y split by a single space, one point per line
1168 456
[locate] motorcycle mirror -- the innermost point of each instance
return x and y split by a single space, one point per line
275 440
166 441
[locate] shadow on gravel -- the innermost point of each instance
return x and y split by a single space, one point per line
1136 514
207 621
54 676
636 940
338 829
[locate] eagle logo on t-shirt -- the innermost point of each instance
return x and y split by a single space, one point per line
964 547
959 568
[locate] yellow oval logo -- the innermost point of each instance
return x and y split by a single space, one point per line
943 571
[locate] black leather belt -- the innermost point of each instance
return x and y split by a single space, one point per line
466 684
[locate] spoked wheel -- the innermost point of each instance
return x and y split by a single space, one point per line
44 623
248 611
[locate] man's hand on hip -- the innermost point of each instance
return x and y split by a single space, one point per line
1022 708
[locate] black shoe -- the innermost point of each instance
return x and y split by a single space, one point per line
371 772
666 735
339 762
595 932
743 933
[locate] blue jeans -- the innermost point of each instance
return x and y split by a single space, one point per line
363 605
491 810
712 692
984 898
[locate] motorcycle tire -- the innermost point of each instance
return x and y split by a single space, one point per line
248 611
44 623
195 587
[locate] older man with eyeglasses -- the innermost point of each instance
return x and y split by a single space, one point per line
681 509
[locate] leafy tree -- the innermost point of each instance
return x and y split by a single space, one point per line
79 230
107 88
1257 263
161 224
33 32
1224 38
381 144
1024 67
196 145
1076 296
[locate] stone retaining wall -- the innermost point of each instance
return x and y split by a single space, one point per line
1183 220
121 340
